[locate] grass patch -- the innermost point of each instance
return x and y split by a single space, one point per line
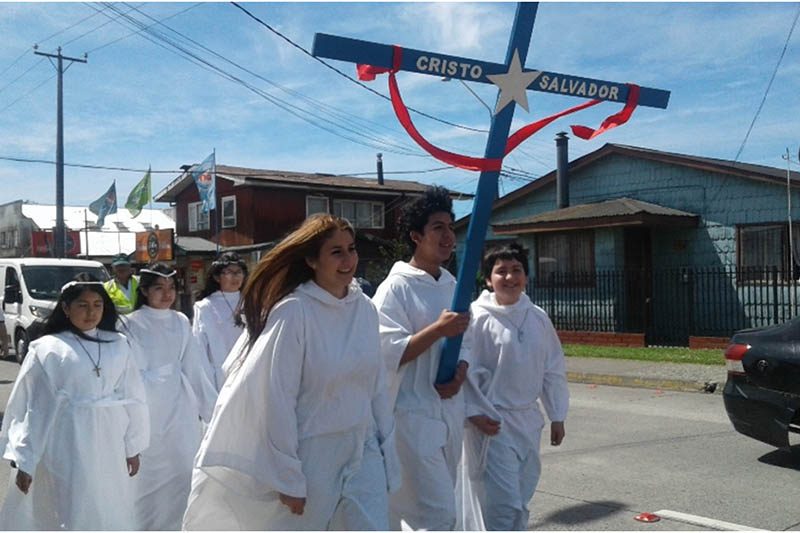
665 355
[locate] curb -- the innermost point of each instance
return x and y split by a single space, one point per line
678 385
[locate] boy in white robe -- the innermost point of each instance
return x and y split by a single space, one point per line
516 360
75 422
413 303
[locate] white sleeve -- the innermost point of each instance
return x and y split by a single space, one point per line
555 392
137 435
32 408
199 332
252 443
194 365
395 326
382 412
478 376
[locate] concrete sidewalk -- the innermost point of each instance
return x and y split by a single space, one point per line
645 374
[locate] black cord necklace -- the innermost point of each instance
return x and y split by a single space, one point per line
233 312
99 355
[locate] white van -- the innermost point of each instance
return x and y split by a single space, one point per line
31 287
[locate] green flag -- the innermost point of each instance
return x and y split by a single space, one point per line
139 196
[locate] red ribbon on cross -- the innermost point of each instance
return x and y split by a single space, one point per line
369 72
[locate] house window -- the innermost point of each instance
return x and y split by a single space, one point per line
316 204
228 211
566 255
762 248
198 221
2 239
360 213
13 239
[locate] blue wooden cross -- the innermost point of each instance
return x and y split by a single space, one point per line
513 81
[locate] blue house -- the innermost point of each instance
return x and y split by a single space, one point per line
654 247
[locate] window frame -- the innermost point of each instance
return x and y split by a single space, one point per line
577 278
194 211
317 197
229 200
764 273
372 205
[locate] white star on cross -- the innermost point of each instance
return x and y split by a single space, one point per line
514 84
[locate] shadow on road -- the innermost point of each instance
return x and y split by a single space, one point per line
584 512
783 458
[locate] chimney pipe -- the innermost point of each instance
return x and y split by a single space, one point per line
380 169
562 177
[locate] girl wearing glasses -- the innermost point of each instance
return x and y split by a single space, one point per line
217 325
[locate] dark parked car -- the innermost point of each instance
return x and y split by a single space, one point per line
762 395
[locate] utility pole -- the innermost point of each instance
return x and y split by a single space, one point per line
788 159
59 237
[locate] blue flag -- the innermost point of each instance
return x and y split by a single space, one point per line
205 175
105 205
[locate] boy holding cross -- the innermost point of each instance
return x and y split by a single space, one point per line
414 320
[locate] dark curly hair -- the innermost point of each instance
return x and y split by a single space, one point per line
416 213
507 251
224 260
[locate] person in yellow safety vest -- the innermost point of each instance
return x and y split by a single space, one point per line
123 288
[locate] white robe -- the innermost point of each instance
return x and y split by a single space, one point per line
306 414
179 393
72 431
516 360
216 330
429 429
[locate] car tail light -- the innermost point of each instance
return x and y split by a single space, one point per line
733 358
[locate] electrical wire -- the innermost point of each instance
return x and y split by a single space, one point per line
91 167
769 86
30 92
350 78
139 31
327 109
286 106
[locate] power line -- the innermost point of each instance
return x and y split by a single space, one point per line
12 82
370 89
286 106
27 94
84 34
84 19
327 109
91 167
139 31
769 85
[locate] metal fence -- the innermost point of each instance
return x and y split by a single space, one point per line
668 305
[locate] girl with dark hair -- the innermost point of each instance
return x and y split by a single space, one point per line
179 393
302 436
217 324
516 360
76 420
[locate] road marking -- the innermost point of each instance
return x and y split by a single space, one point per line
703 521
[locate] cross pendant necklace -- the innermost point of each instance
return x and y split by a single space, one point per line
96 365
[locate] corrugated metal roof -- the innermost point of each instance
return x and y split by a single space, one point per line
262 177
105 241
608 208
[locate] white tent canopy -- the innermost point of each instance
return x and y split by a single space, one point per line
117 235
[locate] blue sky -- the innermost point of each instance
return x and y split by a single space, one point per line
136 104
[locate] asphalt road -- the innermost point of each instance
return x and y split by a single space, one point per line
630 451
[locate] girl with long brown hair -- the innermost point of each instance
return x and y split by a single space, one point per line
302 434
